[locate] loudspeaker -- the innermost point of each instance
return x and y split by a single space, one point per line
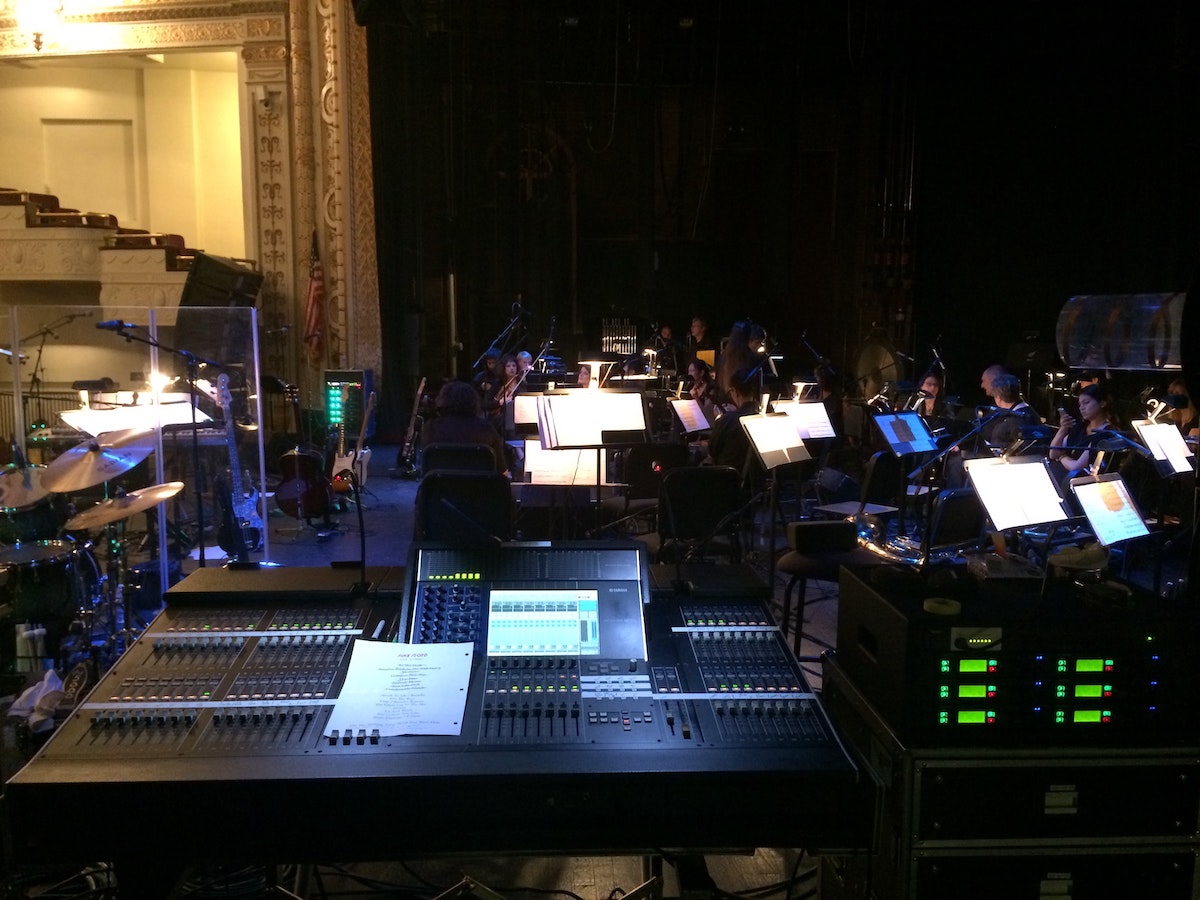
217 281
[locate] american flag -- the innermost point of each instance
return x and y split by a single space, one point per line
314 306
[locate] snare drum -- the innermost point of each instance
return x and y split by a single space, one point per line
29 511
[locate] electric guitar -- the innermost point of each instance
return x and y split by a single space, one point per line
404 460
243 510
356 463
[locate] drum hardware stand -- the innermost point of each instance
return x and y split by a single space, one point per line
193 362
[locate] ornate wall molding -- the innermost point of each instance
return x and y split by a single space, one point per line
306 168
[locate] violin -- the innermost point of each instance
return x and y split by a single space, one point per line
305 491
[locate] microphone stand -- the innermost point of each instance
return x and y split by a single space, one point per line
503 336
942 454
193 362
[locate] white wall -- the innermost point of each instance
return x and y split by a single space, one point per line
157 145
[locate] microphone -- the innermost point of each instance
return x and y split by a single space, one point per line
1115 441
114 325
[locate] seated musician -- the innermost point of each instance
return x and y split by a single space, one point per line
1183 411
728 444
702 386
1069 451
459 420
1006 394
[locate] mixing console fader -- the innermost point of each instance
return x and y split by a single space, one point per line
594 719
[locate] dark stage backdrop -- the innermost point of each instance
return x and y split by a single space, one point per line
747 159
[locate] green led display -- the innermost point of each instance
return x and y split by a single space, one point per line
973 717
1088 716
1092 665
972 691
974 666
1089 690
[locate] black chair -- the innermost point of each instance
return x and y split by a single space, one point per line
467 508
956 522
880 487
817 550
458 458
644 467
698 515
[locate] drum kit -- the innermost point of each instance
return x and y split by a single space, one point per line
50 577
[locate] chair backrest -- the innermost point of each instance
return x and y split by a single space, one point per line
458 458
881 479
647 464
469 508
956 521
699 502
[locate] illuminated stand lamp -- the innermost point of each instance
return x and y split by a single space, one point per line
596 363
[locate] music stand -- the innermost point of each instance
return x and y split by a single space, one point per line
1109 507
905 432
776 440
591 419
811 418
558 473
1017 492
1172 455
691 415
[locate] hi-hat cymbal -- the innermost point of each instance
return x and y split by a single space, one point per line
100 459
21 486
121 507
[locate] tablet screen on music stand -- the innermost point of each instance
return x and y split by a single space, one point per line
775 439
1109 508
1016 494
905 432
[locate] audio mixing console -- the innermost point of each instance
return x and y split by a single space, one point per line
596 720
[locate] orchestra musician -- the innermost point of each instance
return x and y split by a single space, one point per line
510 384
1069 453
1006 394
1183 411
701 387
459 420
698 338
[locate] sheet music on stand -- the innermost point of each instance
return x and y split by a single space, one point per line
96 420
690 415
776 439
811 417
564 467
591 418
905 432
521 416
1016 493
1110 508
1172 455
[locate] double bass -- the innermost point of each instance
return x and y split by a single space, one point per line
304 491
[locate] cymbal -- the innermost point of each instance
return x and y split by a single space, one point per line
100 459
21 486
121 507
